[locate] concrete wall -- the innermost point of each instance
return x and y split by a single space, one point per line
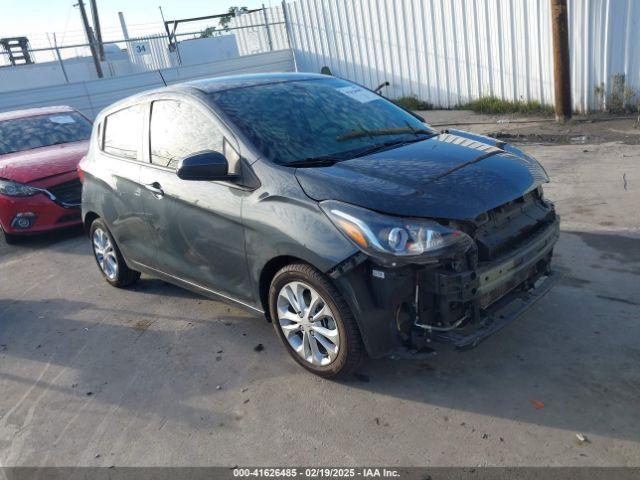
247 35
201 50
92 96
43 74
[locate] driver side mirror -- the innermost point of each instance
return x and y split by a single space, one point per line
206 165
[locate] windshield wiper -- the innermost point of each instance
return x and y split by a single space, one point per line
383 131
328 160
314 162
386 145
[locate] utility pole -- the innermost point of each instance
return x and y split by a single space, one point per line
55 47
561 75
266 24
123 25
287 28
171 36
96 28
92 43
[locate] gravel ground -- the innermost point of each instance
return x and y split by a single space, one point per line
155 375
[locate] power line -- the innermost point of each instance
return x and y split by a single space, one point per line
66 23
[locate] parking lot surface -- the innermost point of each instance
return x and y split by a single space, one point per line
155 375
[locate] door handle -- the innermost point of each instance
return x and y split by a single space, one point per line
155 189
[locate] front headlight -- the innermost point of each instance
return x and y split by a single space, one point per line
394 239
15 189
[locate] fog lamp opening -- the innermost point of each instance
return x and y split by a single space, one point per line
23 220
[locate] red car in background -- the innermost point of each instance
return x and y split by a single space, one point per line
39 186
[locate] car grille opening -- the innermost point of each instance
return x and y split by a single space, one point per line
504 228
69 193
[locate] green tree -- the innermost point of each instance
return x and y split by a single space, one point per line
223 22
232 12
208 32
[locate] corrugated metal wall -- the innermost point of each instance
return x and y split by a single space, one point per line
254 37
604 42
448 52
149 53
92 96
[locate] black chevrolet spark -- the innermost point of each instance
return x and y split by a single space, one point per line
347 221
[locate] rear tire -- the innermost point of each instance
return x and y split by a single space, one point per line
108 257
314 322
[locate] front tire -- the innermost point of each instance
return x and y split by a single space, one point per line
314 322
108 257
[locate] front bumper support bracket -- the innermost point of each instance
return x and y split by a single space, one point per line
500 314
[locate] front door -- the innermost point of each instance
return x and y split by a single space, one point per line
195 225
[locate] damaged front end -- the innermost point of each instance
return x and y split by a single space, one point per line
463 292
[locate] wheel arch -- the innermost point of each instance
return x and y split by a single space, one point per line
89 218
266 276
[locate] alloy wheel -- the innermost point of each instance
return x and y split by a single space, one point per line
308 323
105 254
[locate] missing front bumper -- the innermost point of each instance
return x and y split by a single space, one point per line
488 283
498 315
414 308
487 298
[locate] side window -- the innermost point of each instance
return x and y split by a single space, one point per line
122 132
179 129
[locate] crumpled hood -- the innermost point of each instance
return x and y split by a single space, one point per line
39 163
453 176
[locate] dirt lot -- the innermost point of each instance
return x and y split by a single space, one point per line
91 375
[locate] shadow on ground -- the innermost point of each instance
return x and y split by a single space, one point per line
575 352
41 241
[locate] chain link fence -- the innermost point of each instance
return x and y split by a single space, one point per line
257 31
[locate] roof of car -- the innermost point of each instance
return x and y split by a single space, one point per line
217 84
213 84
32 112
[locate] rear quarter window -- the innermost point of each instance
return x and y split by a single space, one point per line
122 131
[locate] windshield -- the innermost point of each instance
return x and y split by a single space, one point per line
310 119
28 133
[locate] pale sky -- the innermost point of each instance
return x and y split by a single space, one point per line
34 18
